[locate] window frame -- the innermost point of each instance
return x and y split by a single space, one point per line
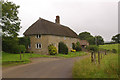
38 36
37 45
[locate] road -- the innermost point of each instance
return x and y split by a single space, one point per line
43 68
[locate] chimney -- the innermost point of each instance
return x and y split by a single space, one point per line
57 20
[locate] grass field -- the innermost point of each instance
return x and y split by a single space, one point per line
14 59
110 46
107 69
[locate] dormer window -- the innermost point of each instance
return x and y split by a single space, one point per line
38 36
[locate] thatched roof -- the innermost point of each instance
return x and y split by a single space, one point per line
46 27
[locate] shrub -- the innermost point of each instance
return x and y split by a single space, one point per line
73 50
52 49
24 41
78 47
92 48
62 48
22 48
10 45
73 45
114 50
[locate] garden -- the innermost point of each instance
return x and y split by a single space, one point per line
11 59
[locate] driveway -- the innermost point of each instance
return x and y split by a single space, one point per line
43 68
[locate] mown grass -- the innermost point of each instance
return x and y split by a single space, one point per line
72 54
14 59
107 69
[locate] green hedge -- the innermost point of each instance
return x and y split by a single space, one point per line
62 48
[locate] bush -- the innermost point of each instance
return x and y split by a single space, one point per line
73 50
10 45
52 49
62 48
92 48
78 47
24 41
114 50
22 48
73 45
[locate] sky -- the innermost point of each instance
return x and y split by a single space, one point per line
99 17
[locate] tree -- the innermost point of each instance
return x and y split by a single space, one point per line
84 35
91 40
116 38
99 40
24 41
87 36
10 21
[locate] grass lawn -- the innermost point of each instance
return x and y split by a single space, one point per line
14 59
72 54
107 69
110 46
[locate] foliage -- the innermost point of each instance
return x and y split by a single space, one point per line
99 40
73 45
110 47
78 47
52 49
24 41
91 40
73 50
62 48
21 48
10 21
107 69
114 50
92 48
84 35
9 44
116 38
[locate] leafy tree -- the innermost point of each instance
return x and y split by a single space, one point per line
116 38
91 40
10 21
84 35
99 40
87 36
24 41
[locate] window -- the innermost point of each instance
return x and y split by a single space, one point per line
38 36
38 46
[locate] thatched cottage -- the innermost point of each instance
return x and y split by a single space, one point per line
43 32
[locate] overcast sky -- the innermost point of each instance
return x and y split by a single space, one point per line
99 17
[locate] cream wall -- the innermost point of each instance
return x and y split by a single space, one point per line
45 40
